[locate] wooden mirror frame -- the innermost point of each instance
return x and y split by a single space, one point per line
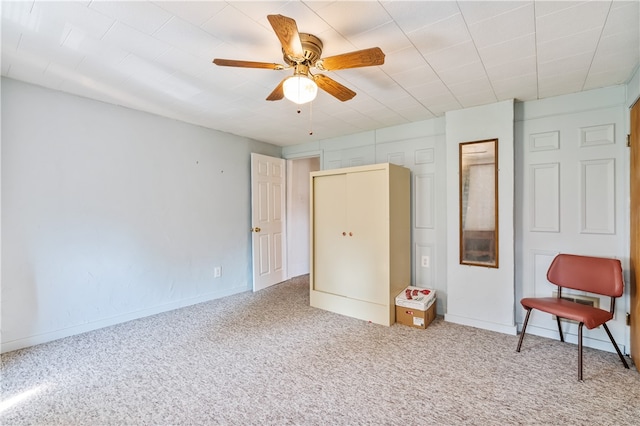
478 203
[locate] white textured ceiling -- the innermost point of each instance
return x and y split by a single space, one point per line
440 56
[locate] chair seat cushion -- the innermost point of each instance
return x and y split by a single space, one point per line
590 316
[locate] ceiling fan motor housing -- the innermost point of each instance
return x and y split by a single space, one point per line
312 48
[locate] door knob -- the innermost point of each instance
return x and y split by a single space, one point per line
256 229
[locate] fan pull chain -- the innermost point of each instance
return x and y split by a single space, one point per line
310 119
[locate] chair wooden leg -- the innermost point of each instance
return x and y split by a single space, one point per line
580 351
615 346
524 327
560 329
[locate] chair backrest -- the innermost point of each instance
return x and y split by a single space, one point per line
592 274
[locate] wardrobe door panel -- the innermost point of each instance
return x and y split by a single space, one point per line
330 252
368 236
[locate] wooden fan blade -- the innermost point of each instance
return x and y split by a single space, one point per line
247 64
278 92
287 32
334 88
360 58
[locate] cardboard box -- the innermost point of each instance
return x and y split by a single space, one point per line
415 317
416 307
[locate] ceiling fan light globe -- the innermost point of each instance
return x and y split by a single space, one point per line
300 89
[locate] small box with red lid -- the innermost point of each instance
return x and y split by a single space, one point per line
416 307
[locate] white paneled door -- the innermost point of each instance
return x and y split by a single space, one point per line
571 200
267 220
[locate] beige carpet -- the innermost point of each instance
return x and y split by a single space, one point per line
270 359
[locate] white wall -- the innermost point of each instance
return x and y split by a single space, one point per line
110 214
480 296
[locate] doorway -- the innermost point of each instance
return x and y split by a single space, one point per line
298 231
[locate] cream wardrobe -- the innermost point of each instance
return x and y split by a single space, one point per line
360 240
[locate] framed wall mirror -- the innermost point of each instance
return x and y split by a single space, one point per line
479 203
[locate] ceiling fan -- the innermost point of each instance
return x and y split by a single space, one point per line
302 51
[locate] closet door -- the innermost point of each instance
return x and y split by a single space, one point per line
330 253
368 232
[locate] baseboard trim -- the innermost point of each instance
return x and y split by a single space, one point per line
25 342
485 325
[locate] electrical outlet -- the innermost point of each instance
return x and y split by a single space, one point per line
425 261
217 272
